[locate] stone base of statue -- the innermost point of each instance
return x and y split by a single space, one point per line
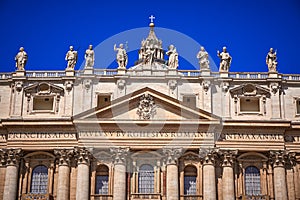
272 74
19 73
205 72
70 72
121 71
223 74
88 70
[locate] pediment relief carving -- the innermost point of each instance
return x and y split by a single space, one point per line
250 89
43 88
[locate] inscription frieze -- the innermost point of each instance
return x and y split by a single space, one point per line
40 135
128 134
252 136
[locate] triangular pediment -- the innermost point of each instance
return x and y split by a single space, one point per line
43 88
249 89
147 105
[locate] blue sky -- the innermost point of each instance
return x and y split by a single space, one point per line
248 28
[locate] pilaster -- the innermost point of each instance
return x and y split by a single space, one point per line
16 105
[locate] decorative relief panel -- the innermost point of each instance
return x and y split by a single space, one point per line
146 108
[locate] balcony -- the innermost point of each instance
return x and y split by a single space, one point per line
101 197
145 196
191 197
37 197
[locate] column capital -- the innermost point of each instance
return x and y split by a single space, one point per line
172 155
208 156
13 156
278 158
64 156
119 154
82 155
2 157
228 157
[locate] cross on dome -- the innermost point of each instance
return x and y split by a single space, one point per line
151 18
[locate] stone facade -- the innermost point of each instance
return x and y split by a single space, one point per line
149 132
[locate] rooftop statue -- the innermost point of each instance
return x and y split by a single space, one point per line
21 59
122 57
148 54
89 57
71 57
271 60
225 60
203 58
173 57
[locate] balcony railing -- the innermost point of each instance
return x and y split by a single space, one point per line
191 197
186 73
45 73
255 197
101 197
37 197
145 196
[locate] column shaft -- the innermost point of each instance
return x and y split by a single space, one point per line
228 183
172 182
83 176
63 185
280 183
12 168
119 192
11 183
209 182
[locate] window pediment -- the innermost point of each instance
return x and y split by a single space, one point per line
249 89
43 88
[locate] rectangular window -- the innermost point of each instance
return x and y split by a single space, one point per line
249 105
298 106
103 100
43 103
101 184
189 100
190 185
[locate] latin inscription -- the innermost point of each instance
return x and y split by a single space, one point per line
127 134
253 136
13 136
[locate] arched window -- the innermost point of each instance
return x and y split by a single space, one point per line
146 179
190 178
102 180
39 180
252 181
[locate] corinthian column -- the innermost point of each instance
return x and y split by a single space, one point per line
119 188
278 159
63 185
227 177
83 157
172 155
11 177
209 174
